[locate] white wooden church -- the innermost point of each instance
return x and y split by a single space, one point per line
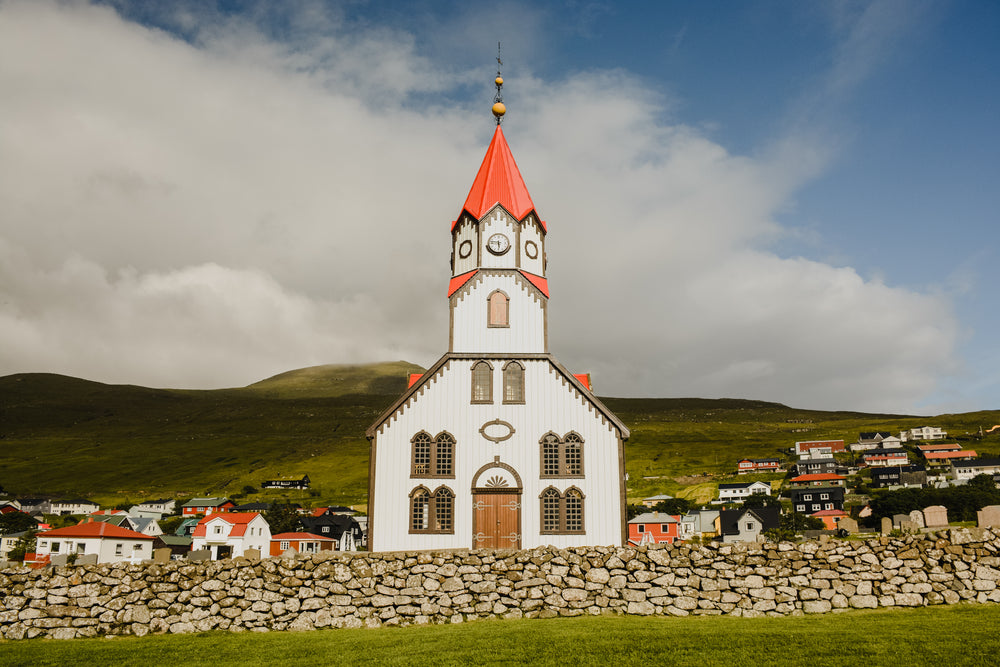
497 445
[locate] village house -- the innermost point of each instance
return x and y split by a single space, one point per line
815 499
703 524
908 475
885 457
737 493
154 509
654 528
497 445
923 433
72 506
758 465
206 506
820 479
748 525
110 543
963 471
230 534
876 440
813 466
303 543
287 483
653 501
946 458
833 446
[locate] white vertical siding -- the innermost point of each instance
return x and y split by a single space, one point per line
531 231
526 333
552 404
498 222
465 231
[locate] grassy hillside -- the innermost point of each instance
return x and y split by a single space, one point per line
116 443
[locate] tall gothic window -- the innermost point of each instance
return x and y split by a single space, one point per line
513 383
498 304
432 512
562 513
432 457
482 382
561 457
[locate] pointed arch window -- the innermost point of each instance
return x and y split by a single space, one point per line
498 306
432 457
432 512
513 383
482 382
562 513
561 457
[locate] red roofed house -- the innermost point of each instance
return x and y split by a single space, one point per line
830 518
497 445
745 466
198 506
806 445
885 457
952 447
942 458
654 528
111 544
230 534
304 543
820 479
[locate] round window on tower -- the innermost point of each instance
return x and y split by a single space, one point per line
531 249
465 249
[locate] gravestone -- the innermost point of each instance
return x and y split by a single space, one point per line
936 516
988 516
907 526
87 559
252 554
58 560
917 517
848 524
886 525
201 554
161 555
898 519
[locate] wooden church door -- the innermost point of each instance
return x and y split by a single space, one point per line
496 519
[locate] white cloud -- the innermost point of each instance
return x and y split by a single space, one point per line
206 215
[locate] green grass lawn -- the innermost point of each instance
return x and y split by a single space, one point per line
957 635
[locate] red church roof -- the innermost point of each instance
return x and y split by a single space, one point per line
499 181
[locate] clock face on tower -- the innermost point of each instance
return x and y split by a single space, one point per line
498 244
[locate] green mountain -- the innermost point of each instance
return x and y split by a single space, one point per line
118 443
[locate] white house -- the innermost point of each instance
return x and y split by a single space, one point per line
923 433
963 471
230 534
730 493
497 445
154 509
111 544
73 506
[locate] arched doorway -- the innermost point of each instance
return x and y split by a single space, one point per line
496 507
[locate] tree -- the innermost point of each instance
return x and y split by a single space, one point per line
760 500
982 482
282 518
674 506
15 522
24 545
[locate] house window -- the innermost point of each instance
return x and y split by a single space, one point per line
55 547
482 382
513 383
432 513
561 457
828 506
800 508
498 305
118 549
326 529
217 530
664 528
824 496
807 496
563 513
749 525
81 547
432 457
283 545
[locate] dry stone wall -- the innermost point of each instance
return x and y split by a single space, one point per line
382 589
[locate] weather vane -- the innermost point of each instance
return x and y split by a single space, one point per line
498 106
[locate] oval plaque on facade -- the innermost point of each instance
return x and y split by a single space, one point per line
496 430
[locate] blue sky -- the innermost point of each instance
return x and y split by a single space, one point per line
779 200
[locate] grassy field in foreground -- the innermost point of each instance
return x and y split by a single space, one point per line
959 635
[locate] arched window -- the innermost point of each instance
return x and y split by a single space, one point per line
561 457
444 456
419 509
482 382
498 305
432 513
421 459
513 383
562 513
444 510
432 457
550 510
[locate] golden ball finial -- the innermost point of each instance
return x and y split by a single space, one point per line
499 80
499 109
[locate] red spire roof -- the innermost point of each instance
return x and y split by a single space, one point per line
499 181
